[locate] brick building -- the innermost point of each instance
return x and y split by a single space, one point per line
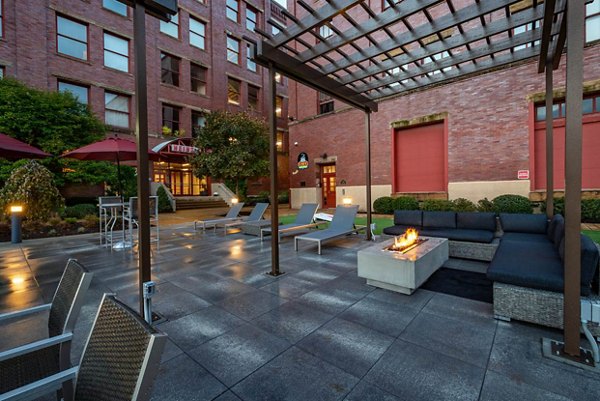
474 137
197 62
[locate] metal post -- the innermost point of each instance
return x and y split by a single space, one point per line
368 172
15 227
549 143
572 312
141 131
273 161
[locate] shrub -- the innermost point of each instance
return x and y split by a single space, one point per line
70 220
54 221
464 205
485 205
80 211
512 204
91 221
283 197
437 205
164 203
559 206
384 205
590 210
405 203
32 185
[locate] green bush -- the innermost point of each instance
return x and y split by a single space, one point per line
590 210
485 205
283 197
464 205
70 220
384 205
164 204
405 203
437 205
512 204
79 211
559 206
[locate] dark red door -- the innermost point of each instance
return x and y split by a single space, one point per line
328 185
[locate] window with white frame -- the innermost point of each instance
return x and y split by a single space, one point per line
116 52
116 110
171 28
197 33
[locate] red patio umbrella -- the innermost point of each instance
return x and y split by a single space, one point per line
113 149
13 149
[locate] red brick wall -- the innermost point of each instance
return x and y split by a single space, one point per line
488 125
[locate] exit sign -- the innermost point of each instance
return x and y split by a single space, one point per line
523 174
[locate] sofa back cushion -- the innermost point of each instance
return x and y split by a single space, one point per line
556 219
524 223
476 220
439 219
413 218
559 232
589 260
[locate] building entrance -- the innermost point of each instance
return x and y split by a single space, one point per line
328 185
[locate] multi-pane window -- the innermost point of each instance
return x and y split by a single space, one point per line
281 142
233 91
253 92
116 52
198 78
198 121
233 10
589 105
592 21
116 110
170 117
325 31
78 91
250 63
197 33
169 69
325 103
278 106
233 50
71 38
171 28
251 18
115 6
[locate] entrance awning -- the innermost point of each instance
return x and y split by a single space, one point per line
176 150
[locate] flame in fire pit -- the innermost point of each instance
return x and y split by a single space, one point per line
406 241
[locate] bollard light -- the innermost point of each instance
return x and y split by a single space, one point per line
16 212
234 201
347 201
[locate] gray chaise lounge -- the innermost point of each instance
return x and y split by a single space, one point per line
255 216
304 220
232 214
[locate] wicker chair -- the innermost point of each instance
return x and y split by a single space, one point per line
120 360
28 363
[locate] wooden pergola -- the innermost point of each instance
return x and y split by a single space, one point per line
361 56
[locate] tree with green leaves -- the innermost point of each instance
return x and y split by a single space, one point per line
232 147
52 121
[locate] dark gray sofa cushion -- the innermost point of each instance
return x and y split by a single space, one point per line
553 224
476 221
412 218
559 232
589 260
439 219
459 234
397 229
540 238
524 223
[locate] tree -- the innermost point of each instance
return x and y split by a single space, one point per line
232 147
31 185
52 121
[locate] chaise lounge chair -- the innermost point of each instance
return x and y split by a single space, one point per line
256 215
304 220
232 214
342 224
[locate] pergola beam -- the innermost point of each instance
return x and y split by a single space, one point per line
422 31
549 6
291 67
473 35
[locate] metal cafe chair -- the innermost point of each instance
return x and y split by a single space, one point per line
131 217
110 209
119 362
25 364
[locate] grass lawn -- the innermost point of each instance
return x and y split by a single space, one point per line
595 235
381 222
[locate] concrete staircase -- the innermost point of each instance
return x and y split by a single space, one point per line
204 202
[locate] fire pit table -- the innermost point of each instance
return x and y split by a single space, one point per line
402 271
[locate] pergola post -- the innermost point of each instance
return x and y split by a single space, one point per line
141 131
574 83
368 171
549 144
273 161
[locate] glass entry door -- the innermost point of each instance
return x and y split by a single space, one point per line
328 185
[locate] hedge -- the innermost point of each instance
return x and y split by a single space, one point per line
384 205
80 211
590 209
512 204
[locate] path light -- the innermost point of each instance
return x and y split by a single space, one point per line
16 212
347 201
234 201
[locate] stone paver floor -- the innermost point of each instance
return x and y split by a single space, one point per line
316 333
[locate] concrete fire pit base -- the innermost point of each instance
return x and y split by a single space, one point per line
402 272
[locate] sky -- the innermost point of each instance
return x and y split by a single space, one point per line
282 2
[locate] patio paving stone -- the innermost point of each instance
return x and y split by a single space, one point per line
173 302
497 387
328 300
416 301
234 355
228 396
296 376
367 392
459 308
289 286
347 345
251 304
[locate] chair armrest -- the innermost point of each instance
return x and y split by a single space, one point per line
285 230
41 387
34 346
24 312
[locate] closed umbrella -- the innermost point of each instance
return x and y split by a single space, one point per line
113 149
13 149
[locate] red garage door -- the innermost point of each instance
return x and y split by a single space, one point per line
420 158
590 174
